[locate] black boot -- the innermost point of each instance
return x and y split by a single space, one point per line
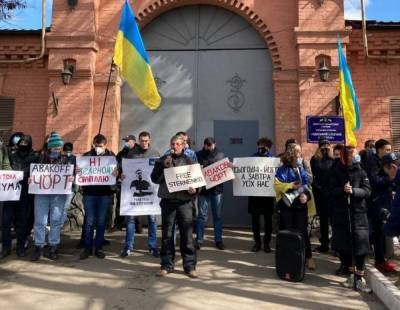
99 253
21 252
37 253
267 248
85 253
53 253
256 247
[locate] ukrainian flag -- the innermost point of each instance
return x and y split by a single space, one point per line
348 100
131 58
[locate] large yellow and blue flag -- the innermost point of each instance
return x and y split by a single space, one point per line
131 58
348 100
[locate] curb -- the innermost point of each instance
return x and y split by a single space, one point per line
386 291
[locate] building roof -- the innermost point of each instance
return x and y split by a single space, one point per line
374 25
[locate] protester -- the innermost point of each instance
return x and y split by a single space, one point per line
337 149
187 148
379 202
143 150
291 178
129 144
97 200
175 206
321 164
17 211
369 150
13 141
70 159
303 162
262 206
349 187
49 205
209 197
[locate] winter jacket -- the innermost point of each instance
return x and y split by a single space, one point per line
392 226
138 152
382 187
21 161
321 173
98 190
157 177
205 159
340 208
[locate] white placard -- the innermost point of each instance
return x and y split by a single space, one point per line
50 179
138 193
95 170
217 173
10 188
254 176
183 177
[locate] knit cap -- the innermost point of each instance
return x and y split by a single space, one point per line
54 141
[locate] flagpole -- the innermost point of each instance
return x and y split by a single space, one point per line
105 97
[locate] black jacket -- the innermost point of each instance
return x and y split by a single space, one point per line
381 185
321 174
341 240
21 161
157 176
205 159
98 190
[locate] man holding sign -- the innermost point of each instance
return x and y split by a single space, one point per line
210 155
176 205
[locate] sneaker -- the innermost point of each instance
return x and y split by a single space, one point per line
362 286
21 252
162 272
342 271
349 283
85 254
322 249
53 253
37 253
220 245
311 264
99 254
256 247
125 253
154 252
192 274
5 252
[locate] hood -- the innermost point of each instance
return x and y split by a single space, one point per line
27 139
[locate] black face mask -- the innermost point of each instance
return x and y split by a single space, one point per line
23 148
262 150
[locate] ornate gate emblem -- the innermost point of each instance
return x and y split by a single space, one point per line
236 99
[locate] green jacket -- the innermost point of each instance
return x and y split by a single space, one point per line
4 160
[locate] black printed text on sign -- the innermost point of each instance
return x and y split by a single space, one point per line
51 179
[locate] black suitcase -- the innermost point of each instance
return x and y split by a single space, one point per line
290 256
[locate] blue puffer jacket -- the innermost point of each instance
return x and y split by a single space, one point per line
392 226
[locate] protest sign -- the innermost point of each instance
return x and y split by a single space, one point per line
138 193
183 177
218 173
95 170
254 176
50 179
10 188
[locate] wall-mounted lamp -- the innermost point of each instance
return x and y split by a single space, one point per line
72 4
68 72
323 71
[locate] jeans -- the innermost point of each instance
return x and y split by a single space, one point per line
96 212
182 212
15 212
216 205
66 208
45 205
130 232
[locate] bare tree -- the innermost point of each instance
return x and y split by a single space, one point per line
7 6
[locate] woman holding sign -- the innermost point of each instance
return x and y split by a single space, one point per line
293 196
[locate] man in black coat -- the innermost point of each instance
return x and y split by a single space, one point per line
380 199
349 188
209 197
175 206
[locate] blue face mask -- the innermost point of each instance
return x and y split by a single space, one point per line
299 161
54 154
356 159
126 145
16 139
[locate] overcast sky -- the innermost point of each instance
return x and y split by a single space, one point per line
382 10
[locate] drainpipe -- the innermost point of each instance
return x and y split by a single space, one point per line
365 38
43 49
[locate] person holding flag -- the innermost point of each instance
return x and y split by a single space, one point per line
131 58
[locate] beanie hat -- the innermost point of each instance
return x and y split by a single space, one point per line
54 141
